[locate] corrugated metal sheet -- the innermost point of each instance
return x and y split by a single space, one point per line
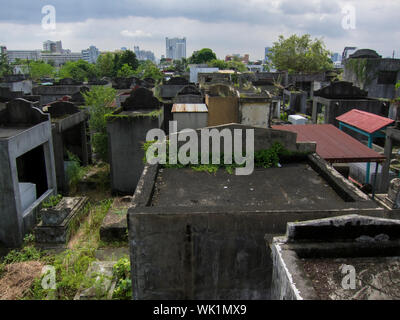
364 121
189 107
333 145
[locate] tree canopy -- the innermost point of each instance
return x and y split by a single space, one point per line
148 69
78 70
105 65
126 57
5 67
228 65
300 54
202 56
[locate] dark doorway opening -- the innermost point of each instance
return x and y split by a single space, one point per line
31 167
72 141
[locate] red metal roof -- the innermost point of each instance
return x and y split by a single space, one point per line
364 121
333 145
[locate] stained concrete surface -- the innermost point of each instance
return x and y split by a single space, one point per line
272 188
376 278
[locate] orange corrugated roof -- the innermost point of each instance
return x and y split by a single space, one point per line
364 121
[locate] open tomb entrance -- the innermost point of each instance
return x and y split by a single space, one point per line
32 176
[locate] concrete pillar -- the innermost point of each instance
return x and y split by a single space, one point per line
314 111
386 165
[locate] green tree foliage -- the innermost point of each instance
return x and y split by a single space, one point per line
202 56
237 66
181 65
300 54
148 69
125 71
127 57
228 65
99 101
78 70
5 67
40 69
105 65
216 63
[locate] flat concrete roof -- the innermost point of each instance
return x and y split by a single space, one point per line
7 132
294 186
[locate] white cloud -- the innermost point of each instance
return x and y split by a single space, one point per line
225 26
135 34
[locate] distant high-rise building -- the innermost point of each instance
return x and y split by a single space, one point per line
143 54
52 46
267 49
175 48
91 54
335 57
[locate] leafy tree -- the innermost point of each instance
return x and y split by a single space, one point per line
99 101
202 56
80 70
127 57
181 65
216 63
229 65
40 69
300 54
236 65
148 69
105 65
125 71
5 67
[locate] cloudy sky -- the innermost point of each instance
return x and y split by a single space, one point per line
226 26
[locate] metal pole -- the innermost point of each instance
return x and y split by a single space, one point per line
375 178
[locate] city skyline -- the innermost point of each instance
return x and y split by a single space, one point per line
224 26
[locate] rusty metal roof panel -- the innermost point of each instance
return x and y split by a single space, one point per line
365 121
189 107
333 145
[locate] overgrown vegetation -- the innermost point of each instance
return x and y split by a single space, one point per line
122 272
267 158
360 68
99 101
75 171
71 265
51 201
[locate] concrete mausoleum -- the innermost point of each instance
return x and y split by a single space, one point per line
195 235
127 128
69 135
340 97
27 169
351 257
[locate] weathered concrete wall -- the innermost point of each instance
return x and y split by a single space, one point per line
255 113
370 78
336 107
15 222
52 93
222 110
126 136
205 255
190 120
